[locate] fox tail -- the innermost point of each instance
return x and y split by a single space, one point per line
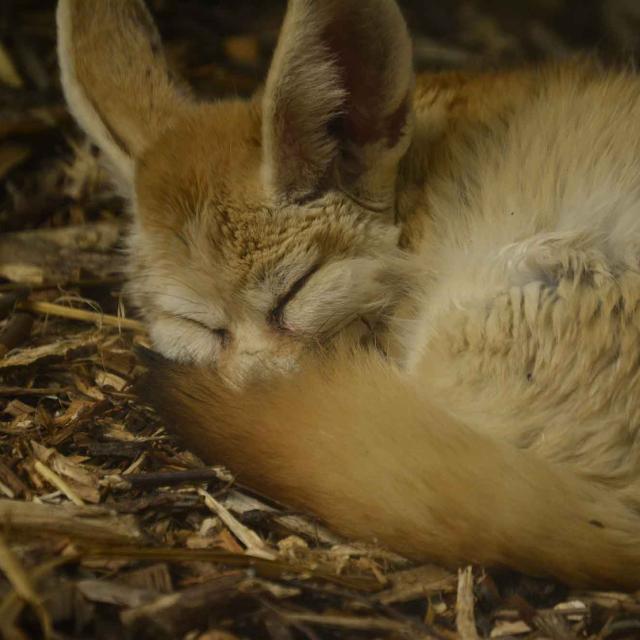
354 442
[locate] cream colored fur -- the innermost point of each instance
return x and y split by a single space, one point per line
480 233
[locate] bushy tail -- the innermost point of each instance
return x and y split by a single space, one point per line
354 443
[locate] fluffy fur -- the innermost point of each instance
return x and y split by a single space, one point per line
482 232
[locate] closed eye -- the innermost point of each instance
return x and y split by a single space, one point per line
224 335
277 313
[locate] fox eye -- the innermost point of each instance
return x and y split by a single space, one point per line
276 315
224 335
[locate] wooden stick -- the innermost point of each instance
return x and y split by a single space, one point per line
96 524
60 311
465 616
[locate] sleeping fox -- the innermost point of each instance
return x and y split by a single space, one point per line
407 305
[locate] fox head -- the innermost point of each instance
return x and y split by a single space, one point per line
260 227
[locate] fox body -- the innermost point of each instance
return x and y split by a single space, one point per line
468 246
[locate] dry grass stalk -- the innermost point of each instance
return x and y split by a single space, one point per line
99 319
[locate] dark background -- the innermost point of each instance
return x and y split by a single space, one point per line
448 33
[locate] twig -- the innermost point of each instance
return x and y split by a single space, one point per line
465 617
169 478
48 308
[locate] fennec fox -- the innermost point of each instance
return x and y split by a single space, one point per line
481 232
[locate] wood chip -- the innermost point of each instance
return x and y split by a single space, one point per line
253 543
83 343
465 606
54 479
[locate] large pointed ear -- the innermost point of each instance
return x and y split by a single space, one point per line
115 76
337 103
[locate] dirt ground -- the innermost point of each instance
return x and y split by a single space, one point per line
108 528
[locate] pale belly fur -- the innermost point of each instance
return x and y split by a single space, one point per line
529 325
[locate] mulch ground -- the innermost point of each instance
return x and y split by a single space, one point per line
109 529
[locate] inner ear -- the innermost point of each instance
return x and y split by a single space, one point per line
337 103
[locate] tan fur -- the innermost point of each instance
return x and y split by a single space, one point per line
483 231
